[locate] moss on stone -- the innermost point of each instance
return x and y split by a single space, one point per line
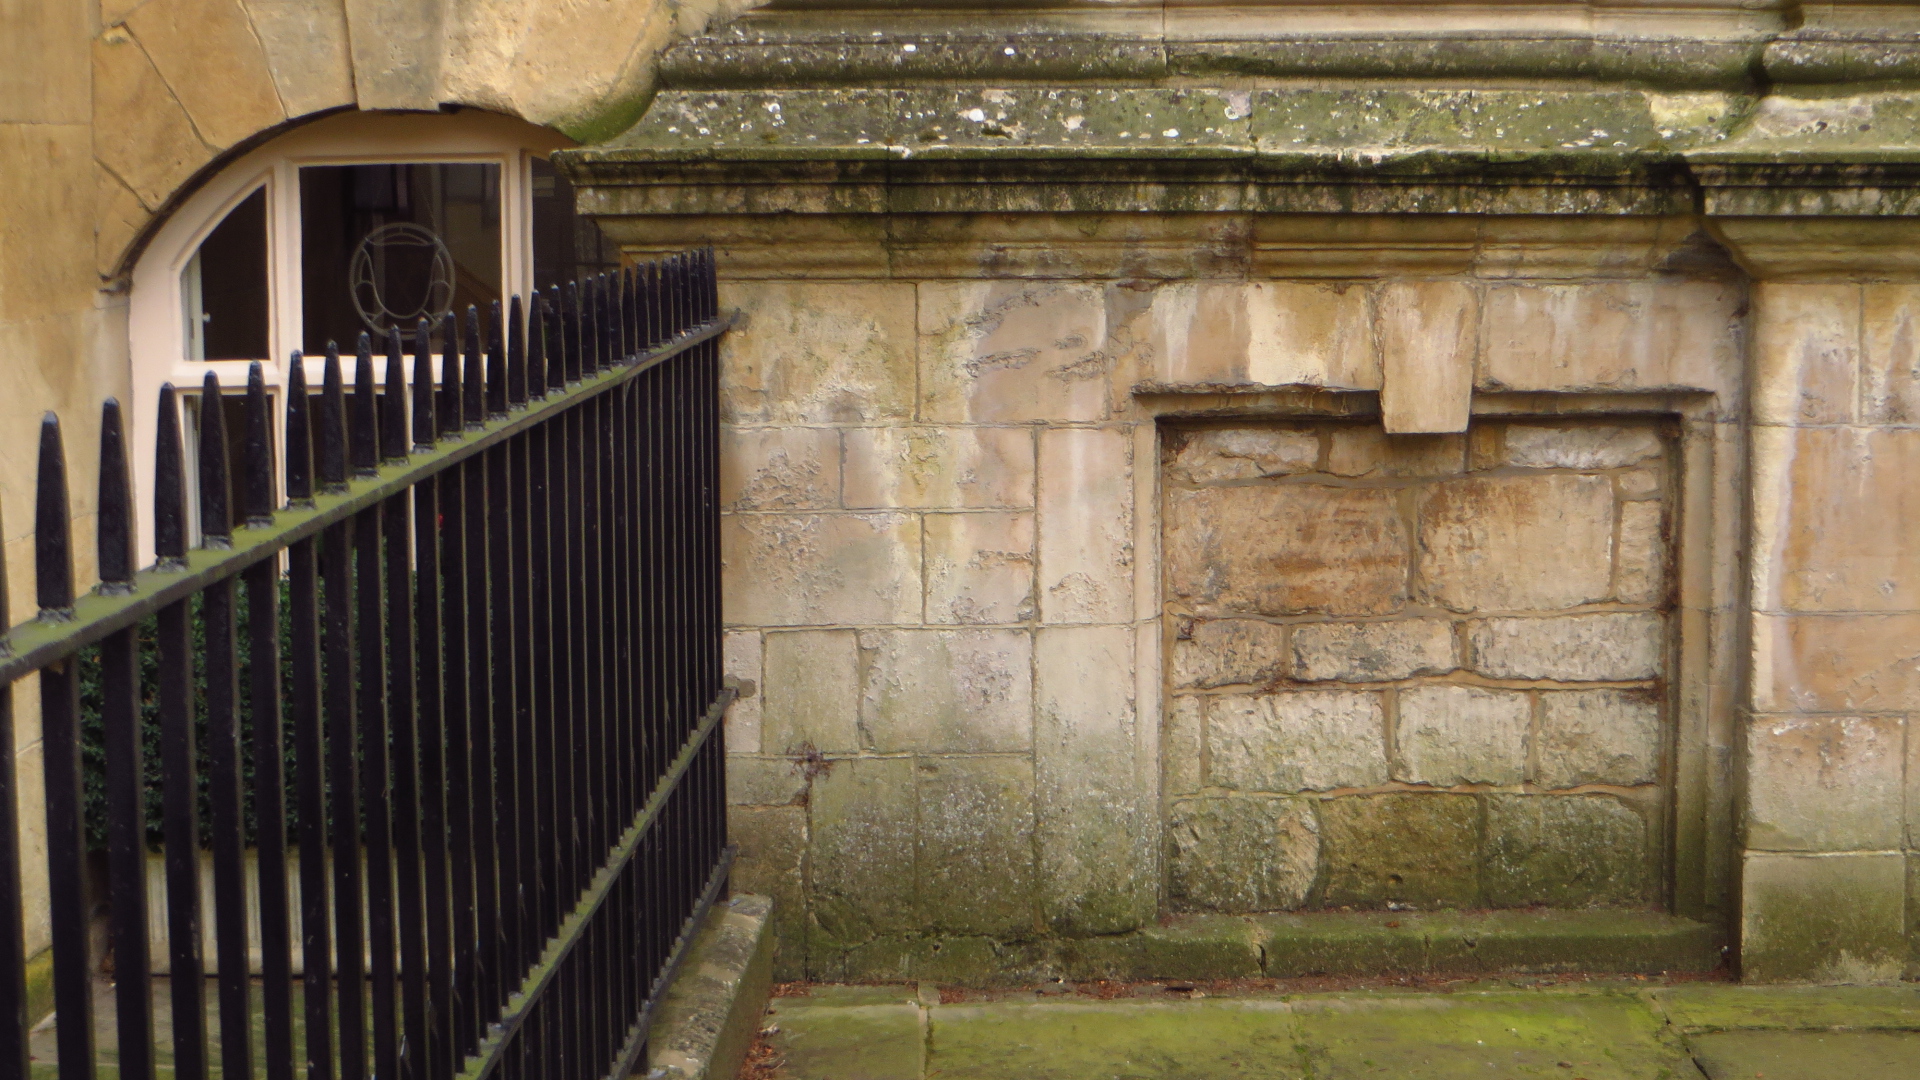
1418 849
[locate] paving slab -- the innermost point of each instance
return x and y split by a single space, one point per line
1598 1036
1724 1007
1250 1039
1801 1055
847 1042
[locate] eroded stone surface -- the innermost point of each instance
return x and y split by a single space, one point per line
861 849
979 567
1014 351
939 467
1180 752
946 691
1642 574
779 468
1366 450
1300 740
1448 735
1599 737
1414 848
812 353
1564 851
1287 549
975 846
1229 652
1833 918
1213 455
1579 446
1372 651
1242 854
1086 526
1607 646
812 699
1821 783
1517 543
799 569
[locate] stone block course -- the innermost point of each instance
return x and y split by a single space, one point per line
974 846
1085 526
979 567
861 841
1372 651
1586 447
1216 455
779 468
1228 652
1823 783
1301 740
1604 647
812 569
1598 737
1823 918
1363 450
1413 849
1565 851
1447 735
1013 351
1237 854
812 699
818 353
1286 550
980 467
946 691
1517 543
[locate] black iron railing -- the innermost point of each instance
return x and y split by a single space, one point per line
500 682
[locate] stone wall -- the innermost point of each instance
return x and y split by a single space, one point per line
1418 670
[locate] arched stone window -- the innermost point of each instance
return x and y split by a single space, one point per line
339 227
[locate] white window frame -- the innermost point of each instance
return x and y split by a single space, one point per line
156 316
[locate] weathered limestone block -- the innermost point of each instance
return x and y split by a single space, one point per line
1890 354
818 354
1831 919
140 130
1565 851
758 781
1094 828
305 42
1448 735
1645 483
1841 540
812 694
1641 577
800 569
1517 542
212 60
861 849
1181 732
1302 740
939 467
740 656
975 846
1825 783
1614 336
1200 334
786 468
946 691
1599 737
979 567
1579 446
1416 849
1372 651
1806 348
1086 526
1240 854
1605 646
1835 663
1428 332
1287 549
1213 455
1366 450
1268 333
770 862
1229 652
1014 351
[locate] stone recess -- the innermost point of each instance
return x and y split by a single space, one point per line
1606 647
1586 447
979 567
1820 783
946 691
1564 851
1304 740
1229 652
1241 854
1417 849
1287 550
1370 452
1517 543
1448 735
1372 651
1215 455
1599 737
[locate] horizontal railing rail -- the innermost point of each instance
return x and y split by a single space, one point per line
468 644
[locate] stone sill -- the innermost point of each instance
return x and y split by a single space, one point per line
1387 942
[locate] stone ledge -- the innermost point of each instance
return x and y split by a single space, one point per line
710 1015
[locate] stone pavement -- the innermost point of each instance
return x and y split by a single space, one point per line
1566 1029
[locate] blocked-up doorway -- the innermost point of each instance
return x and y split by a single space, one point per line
1417 671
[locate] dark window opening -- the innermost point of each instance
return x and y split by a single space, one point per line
390 244
225 287
566 246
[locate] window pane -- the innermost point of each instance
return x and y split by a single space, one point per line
566 246
225 287
384 244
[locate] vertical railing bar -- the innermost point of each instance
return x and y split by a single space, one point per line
453 577
262 581
480 743
226 801
505 940
430 728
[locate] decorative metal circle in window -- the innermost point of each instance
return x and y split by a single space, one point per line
401 272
